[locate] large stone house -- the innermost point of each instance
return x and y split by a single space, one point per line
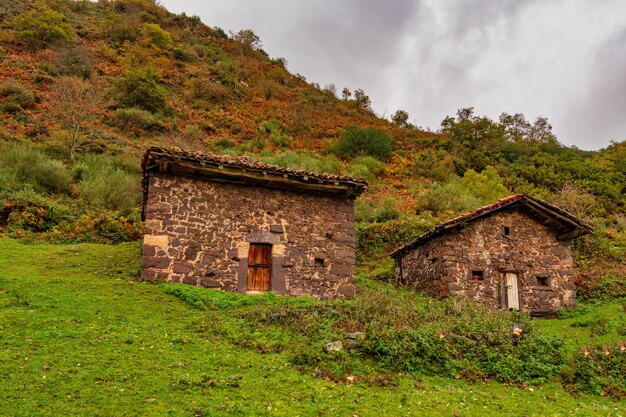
512 254
240 225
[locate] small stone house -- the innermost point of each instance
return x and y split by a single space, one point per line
512 254
240 225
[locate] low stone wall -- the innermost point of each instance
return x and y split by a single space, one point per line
531 251
198 232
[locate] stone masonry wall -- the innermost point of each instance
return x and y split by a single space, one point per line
531 251
198 232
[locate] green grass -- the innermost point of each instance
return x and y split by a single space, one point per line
592 323
79 336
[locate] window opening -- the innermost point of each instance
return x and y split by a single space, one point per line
543 281
478 275
506 231
319 261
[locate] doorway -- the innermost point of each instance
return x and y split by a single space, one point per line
512 292
259 267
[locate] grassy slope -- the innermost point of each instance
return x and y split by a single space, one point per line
79 337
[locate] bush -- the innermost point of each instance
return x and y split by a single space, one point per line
26 210
136 120
22 166
156 36
366 167
276 132
141 88
383 212
433 163
41 27
74 62
17 95
601 370
356 141
102 181
209 91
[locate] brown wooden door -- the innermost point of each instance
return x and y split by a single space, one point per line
259 267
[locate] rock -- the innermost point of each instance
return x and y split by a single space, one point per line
335 346
353 340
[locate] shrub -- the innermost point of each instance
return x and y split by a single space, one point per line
366 167
102 181
356 141
141 88
433 163
74 62
134 120
41 27
22 166
205 90
156 35
276 132
601 370
26 210
383 212
18 95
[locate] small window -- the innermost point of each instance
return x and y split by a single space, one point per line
319 261
506 231
478 276
543 281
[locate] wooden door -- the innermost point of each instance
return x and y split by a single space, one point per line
259 267
512 294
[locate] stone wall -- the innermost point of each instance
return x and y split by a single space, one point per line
198 232
530 250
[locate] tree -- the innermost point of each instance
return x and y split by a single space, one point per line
471 131
361 99
249 40
400 118
517 128
357 141
73 102
346 94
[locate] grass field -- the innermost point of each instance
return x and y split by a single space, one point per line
79 336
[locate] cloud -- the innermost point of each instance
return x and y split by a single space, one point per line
560 59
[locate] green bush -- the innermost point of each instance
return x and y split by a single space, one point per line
102 181
383 212
41 27
366 167
141 88
136 120
277 133
433 163
22 165
17 95
356 141
602 370
26 210
156 35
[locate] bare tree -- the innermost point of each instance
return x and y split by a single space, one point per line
73 101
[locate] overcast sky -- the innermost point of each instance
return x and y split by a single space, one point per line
562 59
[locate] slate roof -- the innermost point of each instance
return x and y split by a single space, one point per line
566 224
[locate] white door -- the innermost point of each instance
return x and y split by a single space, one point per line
512 295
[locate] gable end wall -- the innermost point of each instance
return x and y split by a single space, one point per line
530 251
